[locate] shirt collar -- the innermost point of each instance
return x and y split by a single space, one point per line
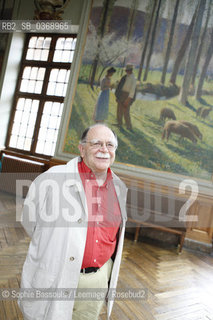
89 174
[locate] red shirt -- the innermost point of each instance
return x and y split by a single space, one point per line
104 218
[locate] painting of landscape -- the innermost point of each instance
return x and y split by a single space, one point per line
170 45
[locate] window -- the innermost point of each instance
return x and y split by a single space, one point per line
40 92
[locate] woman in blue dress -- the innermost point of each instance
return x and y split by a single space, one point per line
102 105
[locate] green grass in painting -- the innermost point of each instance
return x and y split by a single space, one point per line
144 146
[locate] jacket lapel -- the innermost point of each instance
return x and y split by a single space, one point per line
73 180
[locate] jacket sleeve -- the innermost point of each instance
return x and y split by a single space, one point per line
34 201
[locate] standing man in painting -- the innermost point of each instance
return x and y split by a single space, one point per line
125 94
82 247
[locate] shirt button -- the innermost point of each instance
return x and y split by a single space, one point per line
72 258
97 222
79 220
94 260
96 241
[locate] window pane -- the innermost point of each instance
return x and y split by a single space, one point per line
37 54
28 105
61 109
67 77
62 75
25 117
47 42
58 123
53 122
24 86
65 56
60 43
23 129
33 74
74 44
68 44
27 144
26 73
40 42
57 56
44 55
45 120
48 148
32 118
48 131
71 56
58 79
53 148
38 48
51 88
64 50
28 84
64 89
47 107
20 104
32 42
29 132
54 75
31 86
50 135
30 54
40 147
13 141
34 106
56 109
59 89
38 86
41 73
42 133
16 127
18 116
24 124
20 143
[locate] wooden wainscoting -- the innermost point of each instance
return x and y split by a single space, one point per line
200 231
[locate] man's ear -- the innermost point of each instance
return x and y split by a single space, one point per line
81 149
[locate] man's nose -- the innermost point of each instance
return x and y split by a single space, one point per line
104 147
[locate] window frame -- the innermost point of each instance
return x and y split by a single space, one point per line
42 97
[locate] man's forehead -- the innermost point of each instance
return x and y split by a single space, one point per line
100 132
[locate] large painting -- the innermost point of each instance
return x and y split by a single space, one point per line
168 45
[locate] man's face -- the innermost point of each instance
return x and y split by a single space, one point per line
98 158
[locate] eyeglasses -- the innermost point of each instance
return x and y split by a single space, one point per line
97 144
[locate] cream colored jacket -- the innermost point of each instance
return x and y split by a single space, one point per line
57 207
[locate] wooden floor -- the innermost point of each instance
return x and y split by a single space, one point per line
179 287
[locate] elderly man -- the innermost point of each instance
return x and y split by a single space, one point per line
75 214
125 94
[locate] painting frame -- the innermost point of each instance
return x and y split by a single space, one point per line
149 174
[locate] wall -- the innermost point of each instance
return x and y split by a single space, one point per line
9 83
